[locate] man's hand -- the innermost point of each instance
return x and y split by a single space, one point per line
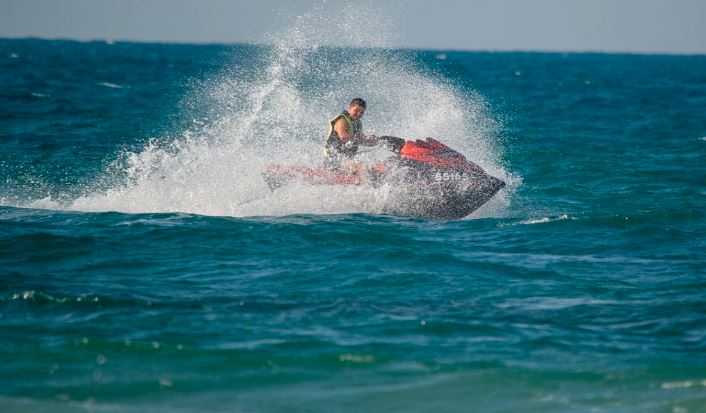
370 140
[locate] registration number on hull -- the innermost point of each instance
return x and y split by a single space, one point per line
451 176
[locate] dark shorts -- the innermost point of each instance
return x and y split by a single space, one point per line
332 163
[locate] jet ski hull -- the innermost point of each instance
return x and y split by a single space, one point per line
443 200
417 195
426 179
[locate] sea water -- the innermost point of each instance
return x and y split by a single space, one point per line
146 267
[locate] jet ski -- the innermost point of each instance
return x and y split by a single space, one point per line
426 179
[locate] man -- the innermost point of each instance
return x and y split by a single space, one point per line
344 137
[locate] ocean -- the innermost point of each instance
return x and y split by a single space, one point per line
146 267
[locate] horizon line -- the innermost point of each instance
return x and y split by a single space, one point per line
110 41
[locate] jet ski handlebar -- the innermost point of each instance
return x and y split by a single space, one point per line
394 143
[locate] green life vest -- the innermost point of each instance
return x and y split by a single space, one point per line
334 147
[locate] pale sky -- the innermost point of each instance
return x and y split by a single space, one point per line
643 26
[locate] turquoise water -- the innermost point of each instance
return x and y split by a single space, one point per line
144 265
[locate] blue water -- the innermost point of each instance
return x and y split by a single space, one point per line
145 267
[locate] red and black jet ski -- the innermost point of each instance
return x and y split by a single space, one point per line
427 178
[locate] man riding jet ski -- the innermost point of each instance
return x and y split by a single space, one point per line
426 178
345 134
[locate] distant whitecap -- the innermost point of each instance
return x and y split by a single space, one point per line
110 85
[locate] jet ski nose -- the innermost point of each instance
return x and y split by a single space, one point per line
499 182
496 184
489 183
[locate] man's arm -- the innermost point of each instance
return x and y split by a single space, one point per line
369 140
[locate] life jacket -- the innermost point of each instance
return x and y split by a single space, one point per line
334 146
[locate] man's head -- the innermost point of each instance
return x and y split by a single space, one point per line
356 108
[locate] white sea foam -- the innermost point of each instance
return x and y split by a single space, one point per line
276 108
683 384
553 303
544 220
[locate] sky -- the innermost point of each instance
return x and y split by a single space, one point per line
637 26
